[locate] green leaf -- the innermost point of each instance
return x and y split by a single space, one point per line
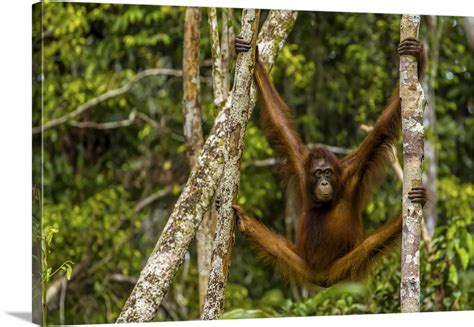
451 232
50 231
470 244
453 275
464 257
68 272
48 274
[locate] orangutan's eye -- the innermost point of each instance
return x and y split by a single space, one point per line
318 173
327 173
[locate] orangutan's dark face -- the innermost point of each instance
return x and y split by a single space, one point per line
324 177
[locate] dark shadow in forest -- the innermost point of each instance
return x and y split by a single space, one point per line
21 315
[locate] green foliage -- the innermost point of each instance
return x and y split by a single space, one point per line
47 272
452 261
335 71
343 298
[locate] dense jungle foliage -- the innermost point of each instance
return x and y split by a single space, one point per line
336 72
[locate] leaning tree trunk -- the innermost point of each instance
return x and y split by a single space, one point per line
168 254
229 187
413 102
195 199
271 39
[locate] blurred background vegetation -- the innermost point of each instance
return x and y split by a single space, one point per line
336 72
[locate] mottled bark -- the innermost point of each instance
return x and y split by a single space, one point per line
276 29
191 85
229 186
193 202
217 69
194 138
226 40
271 39
412 102
180 229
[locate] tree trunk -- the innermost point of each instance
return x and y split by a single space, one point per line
413 103
168 254
191 85
229 187
226 40
276 27
194 201
194 139
218 74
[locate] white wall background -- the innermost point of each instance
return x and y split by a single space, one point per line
15 150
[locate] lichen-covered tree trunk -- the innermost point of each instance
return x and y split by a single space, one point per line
194 201
168 254
229 186
226 40
194 138
271 39
218 74
191 85
413 103
192 204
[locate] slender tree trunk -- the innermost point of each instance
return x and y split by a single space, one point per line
226 40
168 254
218 73
194 138
194 201
229 187
413 103
191 85
276 27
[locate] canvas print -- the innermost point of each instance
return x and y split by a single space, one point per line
215 163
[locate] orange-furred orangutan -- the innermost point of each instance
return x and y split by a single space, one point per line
331 192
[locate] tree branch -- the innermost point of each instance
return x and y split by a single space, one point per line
110 125
273 161
107 95
152 198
